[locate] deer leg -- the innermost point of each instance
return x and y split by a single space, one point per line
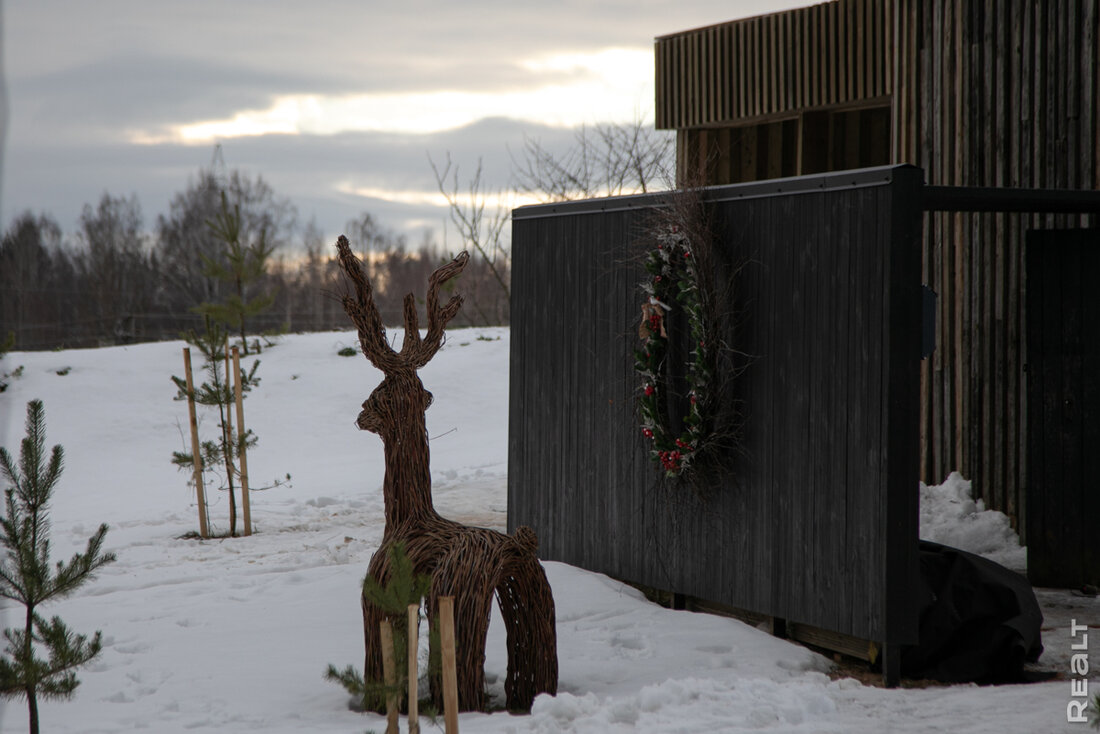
372 636
527 606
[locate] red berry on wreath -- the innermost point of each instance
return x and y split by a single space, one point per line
649 390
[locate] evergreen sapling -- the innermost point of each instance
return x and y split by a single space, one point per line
26 576
216 391
240 266
403 588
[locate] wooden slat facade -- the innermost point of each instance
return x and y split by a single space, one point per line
774 66
817 523
975 92
789 94
991 94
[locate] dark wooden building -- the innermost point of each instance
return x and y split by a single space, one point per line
984 93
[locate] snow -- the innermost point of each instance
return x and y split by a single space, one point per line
949 516
233 635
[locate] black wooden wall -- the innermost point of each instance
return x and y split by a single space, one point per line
1063 384
817 522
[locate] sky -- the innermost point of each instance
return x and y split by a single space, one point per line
337 104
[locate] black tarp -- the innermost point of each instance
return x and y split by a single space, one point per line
979 621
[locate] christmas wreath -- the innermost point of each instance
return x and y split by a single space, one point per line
673 281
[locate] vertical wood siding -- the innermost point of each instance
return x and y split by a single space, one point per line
1064 401
817 523
824 55
990 93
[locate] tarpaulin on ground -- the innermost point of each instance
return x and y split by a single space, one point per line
979 621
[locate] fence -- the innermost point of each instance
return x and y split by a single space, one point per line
817 522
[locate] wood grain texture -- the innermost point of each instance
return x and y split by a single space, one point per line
816 524
1015 83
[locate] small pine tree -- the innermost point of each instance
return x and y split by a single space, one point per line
242 264
26 576
403 588
217 392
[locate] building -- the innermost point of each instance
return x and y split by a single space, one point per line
978 94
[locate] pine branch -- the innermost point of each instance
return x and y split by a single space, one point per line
9 468
80 568
67 651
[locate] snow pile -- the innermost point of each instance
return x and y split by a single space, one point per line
949 515
233 635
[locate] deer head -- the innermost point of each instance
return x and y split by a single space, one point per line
400 393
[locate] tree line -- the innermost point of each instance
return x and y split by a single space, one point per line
116 281
111 282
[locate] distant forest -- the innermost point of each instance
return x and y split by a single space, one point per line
112 282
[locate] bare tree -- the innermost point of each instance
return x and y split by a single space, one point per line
605 160
371 236
480 231
31 266
608 159
184 237
114 267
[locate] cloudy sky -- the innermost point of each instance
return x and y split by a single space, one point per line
336 103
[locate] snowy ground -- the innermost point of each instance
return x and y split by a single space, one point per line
233 635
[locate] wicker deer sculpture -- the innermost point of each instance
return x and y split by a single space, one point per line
471 564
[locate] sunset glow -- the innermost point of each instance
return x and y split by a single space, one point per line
566 90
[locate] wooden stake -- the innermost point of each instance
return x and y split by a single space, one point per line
450 681
389 676
227 440
246 509
196 453
414 646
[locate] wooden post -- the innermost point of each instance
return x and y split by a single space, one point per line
450 681
389 676
414 645
196 453
246 509
227 440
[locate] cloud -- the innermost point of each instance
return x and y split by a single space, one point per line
565 90
331 177
344 99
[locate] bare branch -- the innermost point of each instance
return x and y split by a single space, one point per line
469 218
609 160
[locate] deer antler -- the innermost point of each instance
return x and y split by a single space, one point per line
363 313
415 352
420 351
